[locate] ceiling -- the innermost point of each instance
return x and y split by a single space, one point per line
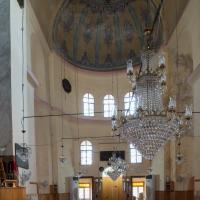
86 38
93 35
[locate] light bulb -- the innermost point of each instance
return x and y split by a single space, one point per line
172 104
188 112
162 62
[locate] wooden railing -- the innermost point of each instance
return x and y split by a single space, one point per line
63 196
176 195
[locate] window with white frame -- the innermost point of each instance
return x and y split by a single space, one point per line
109 105
136 156
86 152
129 103
88 105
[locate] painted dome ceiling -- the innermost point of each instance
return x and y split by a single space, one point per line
101 34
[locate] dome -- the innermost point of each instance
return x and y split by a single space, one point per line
101 35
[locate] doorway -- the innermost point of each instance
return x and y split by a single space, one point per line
139 187
85 189
112 190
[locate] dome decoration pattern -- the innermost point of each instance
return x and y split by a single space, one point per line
102 35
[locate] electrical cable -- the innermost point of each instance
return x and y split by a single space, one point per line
61 95
156 16
97 138
82 114
22 86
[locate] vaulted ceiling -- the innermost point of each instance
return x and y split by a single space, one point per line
98 36
82 35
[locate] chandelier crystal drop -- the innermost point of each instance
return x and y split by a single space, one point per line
152 124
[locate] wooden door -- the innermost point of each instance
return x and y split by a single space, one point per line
112 190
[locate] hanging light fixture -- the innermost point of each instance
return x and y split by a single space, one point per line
117 167
118 164
152 124
62 157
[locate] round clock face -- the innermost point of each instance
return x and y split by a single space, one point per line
66 85
101 169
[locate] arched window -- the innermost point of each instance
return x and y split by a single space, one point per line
86 153
129 103
88 105
136 156
109 105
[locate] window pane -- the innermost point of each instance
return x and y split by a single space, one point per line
84 143
89 162
91 107
88 105
81 193
89 153
85 100
83 161
88 143
87 193
134 152
136 156
86 153
89 148
83 147
109 105
91 100
133 159
83 154
129 103
139 159
135 192
141 190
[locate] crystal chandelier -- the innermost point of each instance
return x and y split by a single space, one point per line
62 158
117 167
152 124
118 164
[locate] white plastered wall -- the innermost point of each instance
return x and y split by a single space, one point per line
36 57
188 38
